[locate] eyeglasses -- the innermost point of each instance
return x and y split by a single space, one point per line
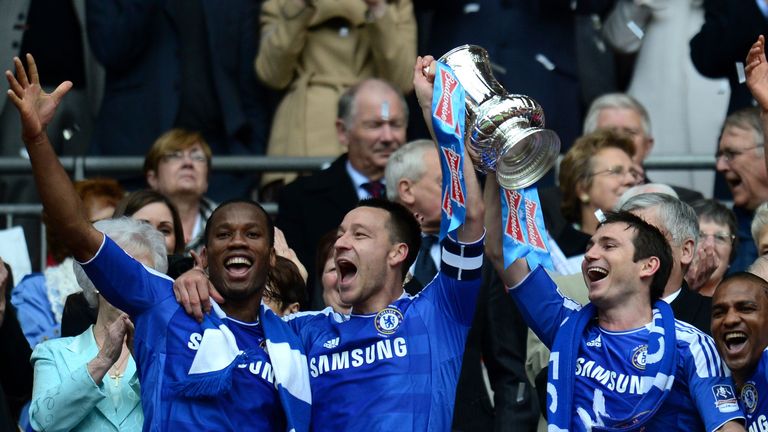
178 156
720 238
617 171
730 155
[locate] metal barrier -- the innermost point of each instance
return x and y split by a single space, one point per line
81 167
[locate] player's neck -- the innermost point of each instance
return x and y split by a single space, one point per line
378 302
627 316
245 310
740 377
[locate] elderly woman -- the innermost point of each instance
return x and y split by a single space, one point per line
89 382
177 166
717 235
147 206
594 174
39 298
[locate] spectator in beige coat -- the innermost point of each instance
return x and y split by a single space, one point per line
315 50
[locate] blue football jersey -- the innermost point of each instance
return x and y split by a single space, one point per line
609 368
753 397
166 344
396 369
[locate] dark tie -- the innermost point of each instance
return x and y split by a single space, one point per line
375 189
424 270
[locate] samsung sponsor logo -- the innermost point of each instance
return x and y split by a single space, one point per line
613 381
381 350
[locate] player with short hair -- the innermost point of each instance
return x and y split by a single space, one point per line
394 362
740 330
214 375
621 362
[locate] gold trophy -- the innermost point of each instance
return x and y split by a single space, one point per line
504 131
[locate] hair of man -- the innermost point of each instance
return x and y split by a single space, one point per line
748 276
747 119
346 109
759 267
643 189
270 223
759 220
677 217
648 242
407 162
403 227
616 101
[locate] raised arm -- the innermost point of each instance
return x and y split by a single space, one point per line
61 203
423 82
494 250
757 80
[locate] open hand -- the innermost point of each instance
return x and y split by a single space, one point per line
35 106
757 73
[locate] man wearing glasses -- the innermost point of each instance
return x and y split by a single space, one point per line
740 159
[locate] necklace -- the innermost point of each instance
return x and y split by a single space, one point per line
116 371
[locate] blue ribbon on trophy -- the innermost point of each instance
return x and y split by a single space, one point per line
448 115
524 234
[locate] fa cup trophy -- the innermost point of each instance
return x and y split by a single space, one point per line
505 131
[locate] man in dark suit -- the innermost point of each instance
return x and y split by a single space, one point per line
184 64
497 337
678 222
371 124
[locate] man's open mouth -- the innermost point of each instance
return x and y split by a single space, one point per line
238 265
735 341
347 270
596 273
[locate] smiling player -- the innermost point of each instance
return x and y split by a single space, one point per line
621 362
740 329
210 376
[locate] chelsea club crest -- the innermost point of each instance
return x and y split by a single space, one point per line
388 320
638 356
749 397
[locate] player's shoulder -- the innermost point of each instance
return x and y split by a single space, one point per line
327 314
689 336
698 348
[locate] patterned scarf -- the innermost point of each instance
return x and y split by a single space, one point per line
211 371
661 362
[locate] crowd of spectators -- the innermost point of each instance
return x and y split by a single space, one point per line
182 82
